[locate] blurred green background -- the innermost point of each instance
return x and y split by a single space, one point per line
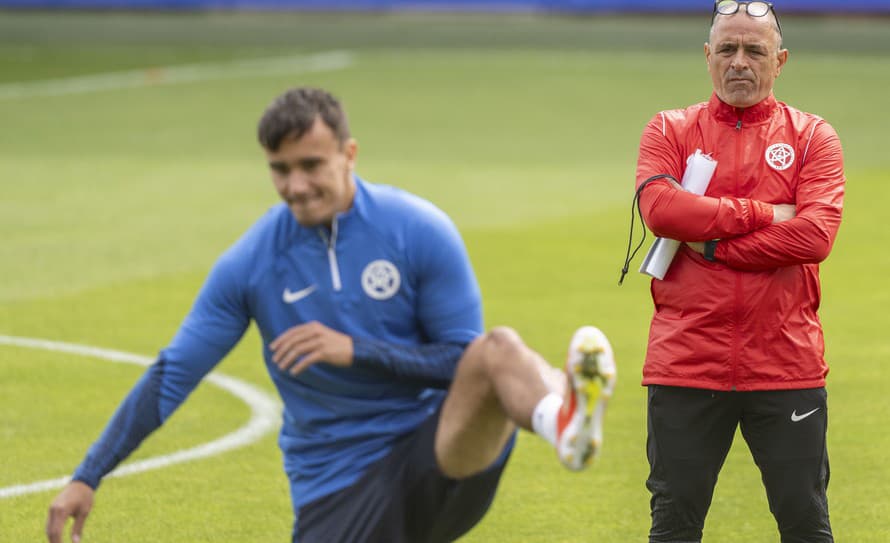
128 161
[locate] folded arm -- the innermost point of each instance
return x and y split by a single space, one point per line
671 212
449 316
431 365
809 236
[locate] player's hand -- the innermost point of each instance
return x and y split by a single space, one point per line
301 346
783 212
75 500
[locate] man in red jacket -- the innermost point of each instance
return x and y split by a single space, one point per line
735 339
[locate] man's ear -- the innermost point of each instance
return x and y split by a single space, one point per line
350 147
783 58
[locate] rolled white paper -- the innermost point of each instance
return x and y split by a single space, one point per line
699 170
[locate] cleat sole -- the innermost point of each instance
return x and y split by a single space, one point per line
590 366
591 375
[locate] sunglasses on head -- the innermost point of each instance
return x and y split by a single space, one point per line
753 9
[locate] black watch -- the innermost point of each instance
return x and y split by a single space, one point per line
710 247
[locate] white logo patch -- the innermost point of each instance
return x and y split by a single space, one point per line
290 297
381 279
779 156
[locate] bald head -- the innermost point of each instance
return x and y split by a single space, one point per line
770 17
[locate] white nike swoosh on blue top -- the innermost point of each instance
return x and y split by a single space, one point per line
291 297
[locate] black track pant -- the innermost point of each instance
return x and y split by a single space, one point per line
690 433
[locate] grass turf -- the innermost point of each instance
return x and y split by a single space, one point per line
524 129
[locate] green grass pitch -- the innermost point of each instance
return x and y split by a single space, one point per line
115 203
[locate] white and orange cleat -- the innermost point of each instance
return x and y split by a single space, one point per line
590 370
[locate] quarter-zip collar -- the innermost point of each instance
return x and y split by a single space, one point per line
342 220
330 235
330 239
757 113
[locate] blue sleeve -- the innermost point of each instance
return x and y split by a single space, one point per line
216 322
430 365
448 304
136 417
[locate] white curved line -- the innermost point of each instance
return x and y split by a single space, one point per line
265 415
185 73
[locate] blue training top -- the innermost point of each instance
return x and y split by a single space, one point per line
392 272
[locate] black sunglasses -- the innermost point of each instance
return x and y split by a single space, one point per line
754 9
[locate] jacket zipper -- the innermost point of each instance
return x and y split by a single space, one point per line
738 278
331 242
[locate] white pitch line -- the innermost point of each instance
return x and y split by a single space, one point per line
186 73
265 415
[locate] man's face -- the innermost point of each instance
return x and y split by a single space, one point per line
313 174
744 58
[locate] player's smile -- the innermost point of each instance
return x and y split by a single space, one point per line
313 175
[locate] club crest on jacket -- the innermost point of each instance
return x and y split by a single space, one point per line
381 279
779 156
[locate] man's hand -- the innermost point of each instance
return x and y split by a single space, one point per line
301 346
75 500
783 212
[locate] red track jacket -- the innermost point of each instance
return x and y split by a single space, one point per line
749 320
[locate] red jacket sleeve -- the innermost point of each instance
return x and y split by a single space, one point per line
671 212
809 236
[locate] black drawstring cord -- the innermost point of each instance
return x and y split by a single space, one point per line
636 204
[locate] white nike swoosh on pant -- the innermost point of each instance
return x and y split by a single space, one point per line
291 297
797 418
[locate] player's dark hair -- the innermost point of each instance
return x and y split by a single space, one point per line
293 113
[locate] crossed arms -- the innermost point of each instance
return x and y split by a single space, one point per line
754 235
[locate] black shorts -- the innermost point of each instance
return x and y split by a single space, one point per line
403 498
690 433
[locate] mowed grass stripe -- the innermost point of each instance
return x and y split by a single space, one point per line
171 75
115 205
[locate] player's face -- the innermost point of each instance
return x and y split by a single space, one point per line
313 174
744 58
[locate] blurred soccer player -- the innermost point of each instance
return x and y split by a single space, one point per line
399 415
736 339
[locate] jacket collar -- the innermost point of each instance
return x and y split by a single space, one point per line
359 202
759 112
357 209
